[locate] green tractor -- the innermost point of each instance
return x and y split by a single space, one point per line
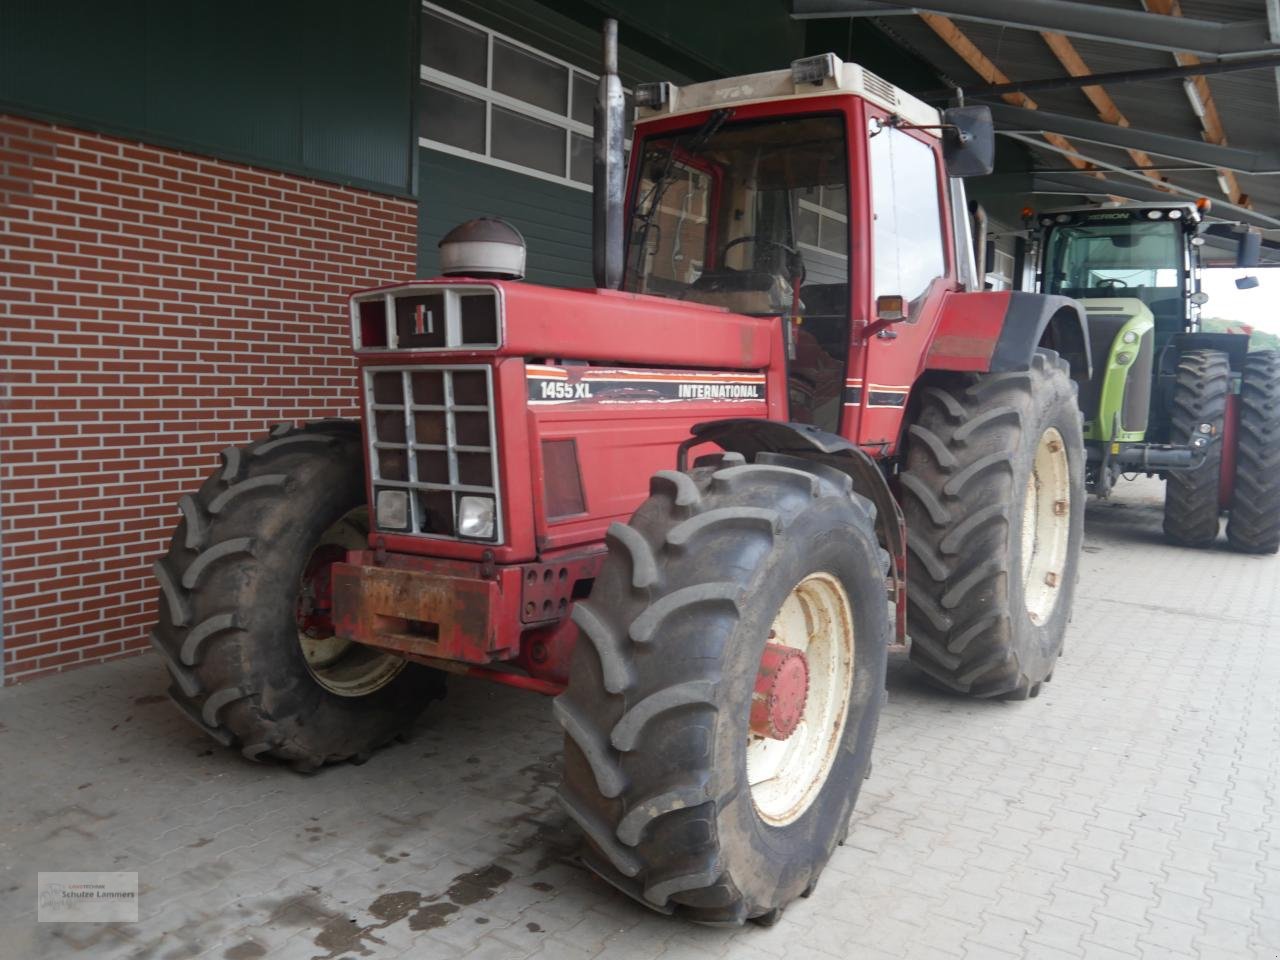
1166 398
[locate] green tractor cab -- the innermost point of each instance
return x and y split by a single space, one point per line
1167 399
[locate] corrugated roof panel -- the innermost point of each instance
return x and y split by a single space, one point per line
1247 102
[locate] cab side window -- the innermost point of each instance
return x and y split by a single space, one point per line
907 234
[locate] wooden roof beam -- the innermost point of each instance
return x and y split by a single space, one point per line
983 66
1108 112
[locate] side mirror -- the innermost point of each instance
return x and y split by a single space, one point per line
989 256
1246 283
968 141
1249 249
1199 298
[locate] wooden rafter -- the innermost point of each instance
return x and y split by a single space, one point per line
981 64
1211 122
1108 112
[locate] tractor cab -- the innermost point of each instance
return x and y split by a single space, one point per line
821 194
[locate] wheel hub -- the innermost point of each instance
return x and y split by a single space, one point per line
801 699
782 687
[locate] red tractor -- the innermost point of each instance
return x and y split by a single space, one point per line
698 504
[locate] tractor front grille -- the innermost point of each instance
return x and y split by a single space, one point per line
431 433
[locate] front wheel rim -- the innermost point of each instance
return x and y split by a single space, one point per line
1046 526
786 776
341 666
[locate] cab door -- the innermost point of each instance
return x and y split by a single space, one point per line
911 258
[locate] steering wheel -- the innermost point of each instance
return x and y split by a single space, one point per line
1110 282
795 262
755 238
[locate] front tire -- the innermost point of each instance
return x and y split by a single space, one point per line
239 627
993 495
1254 524
683 810
1192 508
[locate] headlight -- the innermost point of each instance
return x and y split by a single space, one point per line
475 517
393 509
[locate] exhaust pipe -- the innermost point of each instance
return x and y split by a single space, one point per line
607 167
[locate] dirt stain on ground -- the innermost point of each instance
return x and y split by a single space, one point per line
149 698
339 934
342 935
249 950
478 885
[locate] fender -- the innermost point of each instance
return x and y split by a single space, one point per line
999 330
753 437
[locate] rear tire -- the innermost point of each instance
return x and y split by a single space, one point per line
1192 507
230 590
1254 524
661 688
993 550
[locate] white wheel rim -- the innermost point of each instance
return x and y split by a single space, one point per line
786 775
341 666
1046 526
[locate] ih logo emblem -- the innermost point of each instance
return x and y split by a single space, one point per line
422 321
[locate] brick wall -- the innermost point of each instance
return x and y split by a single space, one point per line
155 307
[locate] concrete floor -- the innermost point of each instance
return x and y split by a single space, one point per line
1130 811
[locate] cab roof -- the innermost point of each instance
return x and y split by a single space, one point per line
1190 212
840 78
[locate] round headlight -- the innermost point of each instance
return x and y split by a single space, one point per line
1154 214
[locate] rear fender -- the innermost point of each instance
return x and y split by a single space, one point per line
753 437
998 331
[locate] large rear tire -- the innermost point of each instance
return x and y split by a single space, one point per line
683 807
993 495
1192 508
241 606
1254 524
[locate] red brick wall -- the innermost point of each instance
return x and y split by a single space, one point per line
155 307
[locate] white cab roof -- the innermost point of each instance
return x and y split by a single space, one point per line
778 85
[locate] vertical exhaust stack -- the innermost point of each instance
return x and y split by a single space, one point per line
608 167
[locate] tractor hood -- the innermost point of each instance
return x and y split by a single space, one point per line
471 318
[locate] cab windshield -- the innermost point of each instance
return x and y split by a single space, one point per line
752 216
1138 259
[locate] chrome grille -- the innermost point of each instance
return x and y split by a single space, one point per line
431 433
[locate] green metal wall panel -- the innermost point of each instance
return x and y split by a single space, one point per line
746 36
323 88
555 220
554 33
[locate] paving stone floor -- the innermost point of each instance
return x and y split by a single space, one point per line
1130 811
